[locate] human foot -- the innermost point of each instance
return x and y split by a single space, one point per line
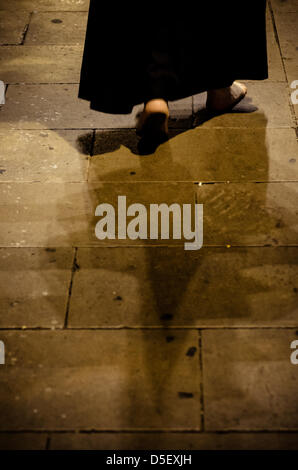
153 122
224 99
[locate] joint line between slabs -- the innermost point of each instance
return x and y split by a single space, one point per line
150 431
291 106
26 28
48 443
202 398
62 11
73 270
150 328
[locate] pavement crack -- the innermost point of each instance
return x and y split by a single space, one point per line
75 267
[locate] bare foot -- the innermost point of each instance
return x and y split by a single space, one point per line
153 122
224 99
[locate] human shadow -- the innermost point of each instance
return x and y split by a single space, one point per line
175 291
178 289
110 140
182 290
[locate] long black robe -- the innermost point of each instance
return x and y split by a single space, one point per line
132 55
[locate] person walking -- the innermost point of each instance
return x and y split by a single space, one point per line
169 51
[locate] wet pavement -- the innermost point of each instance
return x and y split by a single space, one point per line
140 344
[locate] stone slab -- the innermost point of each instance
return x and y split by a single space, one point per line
44 155
12 26
249 381
142 287
57 106
284 6
157 287
57 28
288 36
275 66
201 154
178 441
63 214
41 64
99 380
267 104
249 214
22 441
45 5
35 285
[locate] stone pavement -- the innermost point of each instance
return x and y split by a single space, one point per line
141 344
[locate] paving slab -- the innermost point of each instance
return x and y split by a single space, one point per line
45 5
44 155
267 104
57 106
156 287
181 113
97 375
22 441
63 214
35 285
249 214
12 26
41 64
249 381
286 24
99 380
275 65
284 6
57 28
179 441
201 154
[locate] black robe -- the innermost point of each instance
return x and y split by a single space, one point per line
132 55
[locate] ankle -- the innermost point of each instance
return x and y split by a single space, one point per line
157 105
